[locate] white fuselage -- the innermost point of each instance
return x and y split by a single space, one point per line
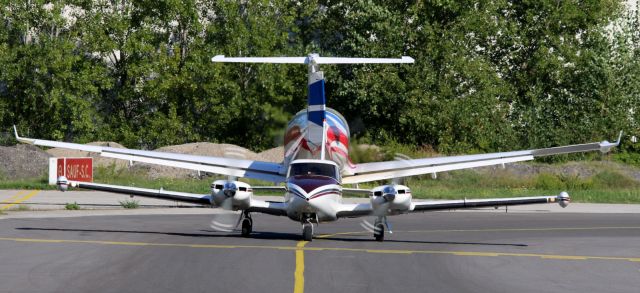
313 190
322 209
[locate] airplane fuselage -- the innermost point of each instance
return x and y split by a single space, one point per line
313 183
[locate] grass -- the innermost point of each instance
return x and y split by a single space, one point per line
72 206
22 208
30 183
136 178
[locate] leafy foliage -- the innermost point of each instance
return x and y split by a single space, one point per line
489 75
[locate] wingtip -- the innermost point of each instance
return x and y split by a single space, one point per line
22 139
408 59
217 58
619 138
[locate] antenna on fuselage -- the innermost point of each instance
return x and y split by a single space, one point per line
316 103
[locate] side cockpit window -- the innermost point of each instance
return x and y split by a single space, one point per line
300 169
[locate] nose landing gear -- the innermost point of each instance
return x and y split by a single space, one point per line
307 231
307 228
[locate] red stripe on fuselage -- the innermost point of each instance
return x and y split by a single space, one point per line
323 194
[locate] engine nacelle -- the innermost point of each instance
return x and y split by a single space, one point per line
232 195
563 199
391 199
62 183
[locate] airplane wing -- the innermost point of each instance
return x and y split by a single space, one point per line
203 199
365 209
367 172
258 206
267 171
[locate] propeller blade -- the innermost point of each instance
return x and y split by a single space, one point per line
402 158
386 223
239 221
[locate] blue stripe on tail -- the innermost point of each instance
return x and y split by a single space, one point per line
316 98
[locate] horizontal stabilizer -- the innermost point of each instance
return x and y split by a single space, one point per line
311 59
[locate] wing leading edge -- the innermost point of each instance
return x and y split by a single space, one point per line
225 166
365 209
258 206
367 172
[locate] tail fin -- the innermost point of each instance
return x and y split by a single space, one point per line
316 113
316 102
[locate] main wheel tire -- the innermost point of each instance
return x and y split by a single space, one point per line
247 227
378 232
307 232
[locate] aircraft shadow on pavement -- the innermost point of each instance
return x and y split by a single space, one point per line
423 242
212 233
264 235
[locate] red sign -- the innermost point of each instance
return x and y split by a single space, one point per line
76 169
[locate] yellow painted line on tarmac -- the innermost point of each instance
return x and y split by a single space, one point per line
388 251
342 233
472 253
300 248
298 285
28 196
11 199
568 257
485 230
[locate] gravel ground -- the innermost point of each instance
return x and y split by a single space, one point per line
98 161
580 170
23 161
206 149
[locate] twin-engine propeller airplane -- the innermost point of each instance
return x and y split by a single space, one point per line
316 165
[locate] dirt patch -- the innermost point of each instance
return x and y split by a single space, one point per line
98 161
23 161
275 155
27 161
209 150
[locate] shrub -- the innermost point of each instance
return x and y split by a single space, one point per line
613 179
23 207
547 181
130 204
574 182
72 206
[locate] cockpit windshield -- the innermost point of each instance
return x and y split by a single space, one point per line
306 168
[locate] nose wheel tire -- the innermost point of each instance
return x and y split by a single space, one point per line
378 232
247 227
307 232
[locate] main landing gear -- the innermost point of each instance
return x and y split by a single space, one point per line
378 228
247 224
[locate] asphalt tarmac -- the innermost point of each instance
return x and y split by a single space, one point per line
430 252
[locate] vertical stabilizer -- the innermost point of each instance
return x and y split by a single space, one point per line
320 134
316 111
